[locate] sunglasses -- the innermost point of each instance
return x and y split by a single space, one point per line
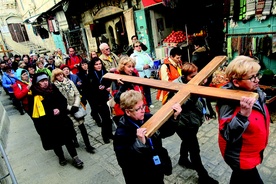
107 49
137 46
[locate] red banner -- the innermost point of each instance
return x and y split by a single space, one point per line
147 3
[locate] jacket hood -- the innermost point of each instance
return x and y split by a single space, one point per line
19 72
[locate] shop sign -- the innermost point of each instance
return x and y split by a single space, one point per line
147 3
104 4
106 11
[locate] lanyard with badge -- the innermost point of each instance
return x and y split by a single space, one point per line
99 79
156 159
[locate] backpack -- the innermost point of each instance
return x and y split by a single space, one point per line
157 74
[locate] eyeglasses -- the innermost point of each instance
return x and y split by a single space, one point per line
254 77
140 108
137 46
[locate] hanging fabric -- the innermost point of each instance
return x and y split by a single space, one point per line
55 25
50 25
250 9
274 43
259 9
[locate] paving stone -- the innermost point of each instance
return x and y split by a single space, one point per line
32 165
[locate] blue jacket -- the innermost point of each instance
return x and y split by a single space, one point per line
75 79
8 81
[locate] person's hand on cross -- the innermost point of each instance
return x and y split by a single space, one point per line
246 105
141 134
177 110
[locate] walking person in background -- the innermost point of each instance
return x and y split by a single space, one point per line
72 95
21 88
72 77
194 112
126 67
243 125
41 68
93 54
31 69
60 58
101 91
48 108
87 92
200 56
142 159
143 65
110 60
8 80
169 71
130 47
73 61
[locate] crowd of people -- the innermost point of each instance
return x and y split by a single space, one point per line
51 90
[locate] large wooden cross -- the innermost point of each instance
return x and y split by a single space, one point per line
4 51
183 92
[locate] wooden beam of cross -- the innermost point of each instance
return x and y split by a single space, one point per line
183 92
4 51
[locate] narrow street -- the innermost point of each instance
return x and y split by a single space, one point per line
32 165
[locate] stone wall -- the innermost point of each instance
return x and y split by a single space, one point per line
4 129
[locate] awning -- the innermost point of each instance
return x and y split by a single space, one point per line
148 3
32 19
43 14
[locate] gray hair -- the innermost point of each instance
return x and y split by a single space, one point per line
103 45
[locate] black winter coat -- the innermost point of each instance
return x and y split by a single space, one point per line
136 158
54 130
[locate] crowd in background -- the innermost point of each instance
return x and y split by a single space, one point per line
61 84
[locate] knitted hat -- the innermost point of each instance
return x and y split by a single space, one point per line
39 76
64 66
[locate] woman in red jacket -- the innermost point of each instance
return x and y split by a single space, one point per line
21 87
244 125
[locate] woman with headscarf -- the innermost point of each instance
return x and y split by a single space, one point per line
21 87
48 109
72 95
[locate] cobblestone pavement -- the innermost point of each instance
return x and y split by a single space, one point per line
32 165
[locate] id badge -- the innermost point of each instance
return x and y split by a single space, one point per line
156 160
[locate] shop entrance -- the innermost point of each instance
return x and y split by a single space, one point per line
116 34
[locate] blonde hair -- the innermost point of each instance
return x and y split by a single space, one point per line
240 66
123 61
133 45
56 72
129 99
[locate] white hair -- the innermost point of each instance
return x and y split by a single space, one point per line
103 45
